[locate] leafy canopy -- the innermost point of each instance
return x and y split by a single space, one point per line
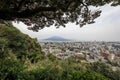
41 13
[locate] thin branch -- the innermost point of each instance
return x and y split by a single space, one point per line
21 3
84 5
29 13
47 16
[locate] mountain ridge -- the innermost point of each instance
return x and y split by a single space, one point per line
56 38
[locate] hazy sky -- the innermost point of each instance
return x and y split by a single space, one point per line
106 28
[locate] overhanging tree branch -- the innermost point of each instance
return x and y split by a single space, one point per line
11 14
43 13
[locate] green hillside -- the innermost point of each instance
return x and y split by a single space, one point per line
21 58
13 42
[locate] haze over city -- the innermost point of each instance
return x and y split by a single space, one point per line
106 28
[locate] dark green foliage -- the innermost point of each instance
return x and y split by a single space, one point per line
16 49
52 57
21 58
57 72
44 13
10 69
20 44
105 69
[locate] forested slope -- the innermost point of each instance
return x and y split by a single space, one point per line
21 58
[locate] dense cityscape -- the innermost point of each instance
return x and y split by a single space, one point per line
108 52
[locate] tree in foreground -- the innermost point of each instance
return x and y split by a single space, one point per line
41 13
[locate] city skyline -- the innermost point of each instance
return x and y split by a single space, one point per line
106 28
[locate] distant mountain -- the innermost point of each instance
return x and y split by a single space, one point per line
56 38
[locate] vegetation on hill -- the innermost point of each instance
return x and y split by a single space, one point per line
21 58
13 42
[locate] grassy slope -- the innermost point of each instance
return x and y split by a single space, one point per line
21 58
21 45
